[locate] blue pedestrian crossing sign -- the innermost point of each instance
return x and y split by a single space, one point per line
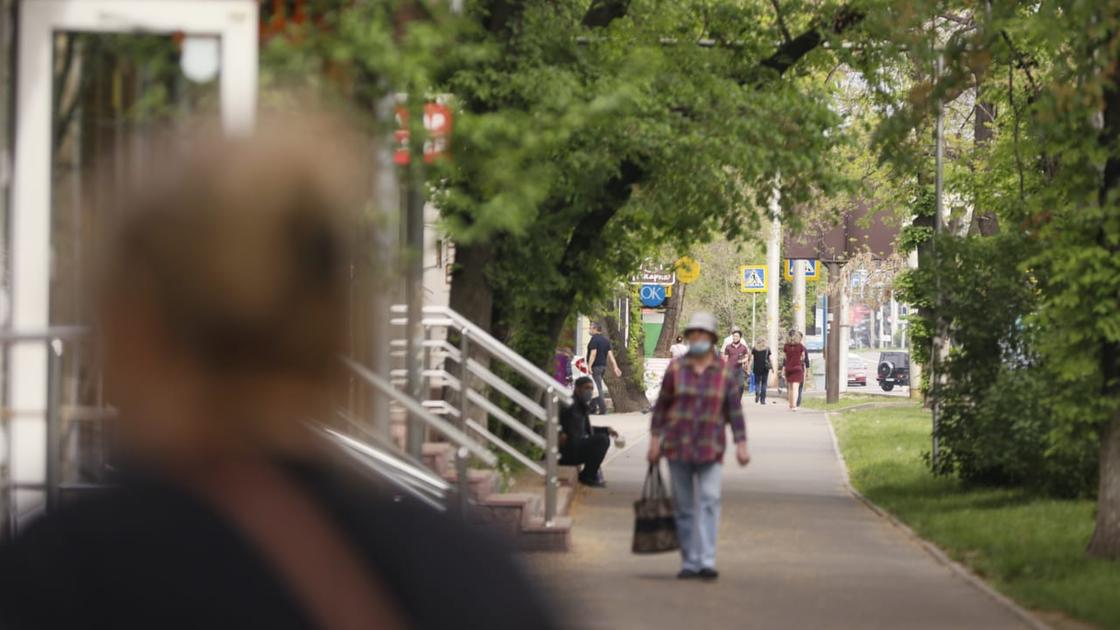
812 269
752 278
652 295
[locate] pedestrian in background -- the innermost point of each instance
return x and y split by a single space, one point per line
222 302
762 361
794 361
699 398
562 366
737 353
808 375
679 348
599 355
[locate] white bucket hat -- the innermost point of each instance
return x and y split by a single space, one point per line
703 320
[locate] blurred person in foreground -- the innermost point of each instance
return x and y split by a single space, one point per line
222 313
699 397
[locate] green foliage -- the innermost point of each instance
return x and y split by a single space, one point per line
999 400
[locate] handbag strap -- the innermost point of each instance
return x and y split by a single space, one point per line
303 546
654 486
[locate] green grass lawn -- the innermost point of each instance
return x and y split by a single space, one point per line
1031 548
846 400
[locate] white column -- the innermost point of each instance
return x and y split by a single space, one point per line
799 267
773 272
845 329
895 337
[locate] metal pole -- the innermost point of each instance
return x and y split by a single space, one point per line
754 317
551 458
935 357
461 469
54 428
414 268
832 364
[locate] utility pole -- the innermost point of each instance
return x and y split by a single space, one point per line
773 269
412 224
935 356
832 360
799 267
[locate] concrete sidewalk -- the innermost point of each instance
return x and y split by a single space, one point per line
796 550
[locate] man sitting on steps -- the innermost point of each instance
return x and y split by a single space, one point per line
581 443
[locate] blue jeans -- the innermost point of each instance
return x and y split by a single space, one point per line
696 492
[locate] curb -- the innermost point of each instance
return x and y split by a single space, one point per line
933 550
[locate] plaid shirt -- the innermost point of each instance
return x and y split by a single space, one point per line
692 409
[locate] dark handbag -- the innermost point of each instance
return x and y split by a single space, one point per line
655 527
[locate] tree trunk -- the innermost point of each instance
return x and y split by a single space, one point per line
1106 536
671 328
985 223
627 391
471 293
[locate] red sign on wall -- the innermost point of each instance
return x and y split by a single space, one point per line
437 124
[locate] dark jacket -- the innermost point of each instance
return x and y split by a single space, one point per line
150 555
761 360
575 422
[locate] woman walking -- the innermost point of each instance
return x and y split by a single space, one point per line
762 361
698 399
794 366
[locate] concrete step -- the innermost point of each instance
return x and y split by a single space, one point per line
439 457
483 483
537 536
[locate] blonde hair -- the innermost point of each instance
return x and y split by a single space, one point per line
239 246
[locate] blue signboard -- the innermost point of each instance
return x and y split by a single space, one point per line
652 295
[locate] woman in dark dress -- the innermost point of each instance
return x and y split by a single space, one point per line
223 310
794 354
761 362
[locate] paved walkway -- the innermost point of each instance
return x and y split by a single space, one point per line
796 550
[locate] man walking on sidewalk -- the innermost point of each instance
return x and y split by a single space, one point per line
699 395
599 353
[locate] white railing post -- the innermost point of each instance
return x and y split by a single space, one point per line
551 456
461 469
54 424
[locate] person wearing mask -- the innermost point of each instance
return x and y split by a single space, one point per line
678 349
222 301
794 356
736 353
599 355
699 398
762 361
580 443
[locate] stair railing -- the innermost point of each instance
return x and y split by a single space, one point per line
439 353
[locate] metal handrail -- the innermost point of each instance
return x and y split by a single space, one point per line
496 348
446 428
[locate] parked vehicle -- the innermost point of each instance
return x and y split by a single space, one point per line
893 369
857 370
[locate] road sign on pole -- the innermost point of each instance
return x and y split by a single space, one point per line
812 269
752 279
688 269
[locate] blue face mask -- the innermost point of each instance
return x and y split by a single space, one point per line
700 347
